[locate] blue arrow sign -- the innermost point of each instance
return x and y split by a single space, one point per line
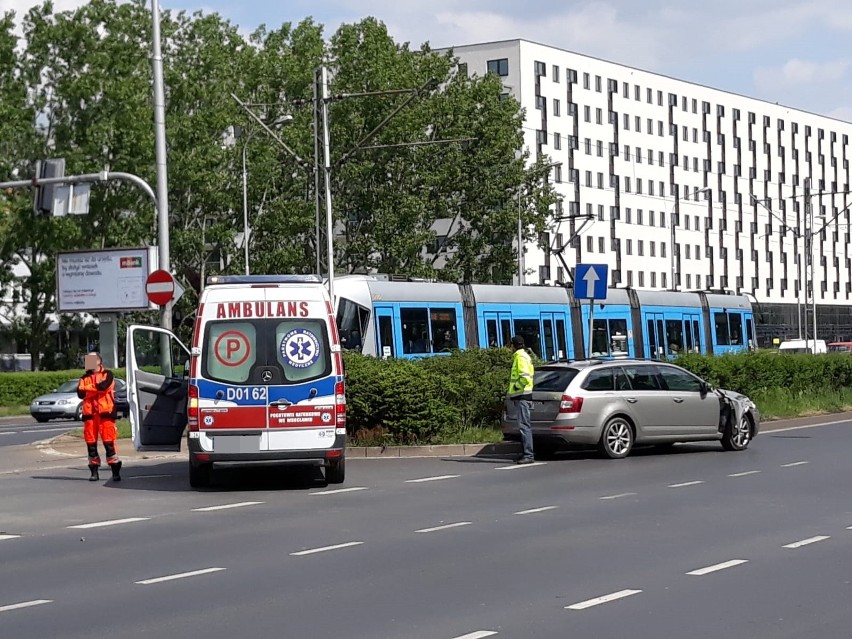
590 281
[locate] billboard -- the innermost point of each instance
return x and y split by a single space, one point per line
109 280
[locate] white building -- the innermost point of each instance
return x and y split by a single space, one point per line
635 147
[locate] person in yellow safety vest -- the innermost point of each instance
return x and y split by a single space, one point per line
520 391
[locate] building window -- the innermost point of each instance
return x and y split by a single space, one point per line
630 247
590 244
662 280
586 80
629 278
600 149
626 122
587 113
627 185
557 141
640 248
599 116
653 279
500 67
650 157
652 246
637 93
662 251
688 280
556 109
555 73
638 155
598 83
587 143
600 212
601 245
651 217
540 69
639 211
662 220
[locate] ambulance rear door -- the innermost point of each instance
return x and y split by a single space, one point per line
157 388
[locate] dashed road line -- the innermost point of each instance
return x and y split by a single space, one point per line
326 548
519 466
147 476
726 564
5 537
25 604
182 575
426 479
444 527
479 634
745 474
10 432
112 522
798 463
337 491
807 542
240 504
533 511
45 430
621 594
618 496
685 484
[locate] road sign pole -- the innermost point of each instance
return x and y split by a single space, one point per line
591 326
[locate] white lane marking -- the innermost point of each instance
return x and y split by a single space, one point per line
5 537
445 527
621 594
619 496
182 575
807 542
340 490
112 522
799 463
517 466
326 548
748 472
479 634
805 427
726 564
46 430
11 432
148 476
25 604
436 478
532 511
849 528
227 506
685 484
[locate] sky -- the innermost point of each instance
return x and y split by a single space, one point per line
794 52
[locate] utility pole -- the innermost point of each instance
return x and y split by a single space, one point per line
809 214
322 82
162 169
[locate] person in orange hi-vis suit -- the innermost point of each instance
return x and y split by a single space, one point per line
96 389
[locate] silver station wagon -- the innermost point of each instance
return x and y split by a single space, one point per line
615 404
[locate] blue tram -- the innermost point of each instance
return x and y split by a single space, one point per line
415 319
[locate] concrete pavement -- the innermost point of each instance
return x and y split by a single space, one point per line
691 543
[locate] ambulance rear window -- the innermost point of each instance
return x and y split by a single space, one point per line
247 352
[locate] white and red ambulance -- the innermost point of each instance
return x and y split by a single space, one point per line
264 383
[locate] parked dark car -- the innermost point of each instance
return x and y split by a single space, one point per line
122 407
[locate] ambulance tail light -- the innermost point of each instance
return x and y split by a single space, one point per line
340 404
192 407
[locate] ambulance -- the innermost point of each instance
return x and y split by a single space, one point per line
261 384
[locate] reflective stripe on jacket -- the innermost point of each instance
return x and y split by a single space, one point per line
96 391
521 379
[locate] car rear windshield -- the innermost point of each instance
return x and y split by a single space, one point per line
288 351
553 379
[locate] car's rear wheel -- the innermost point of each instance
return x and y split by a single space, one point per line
737 436
200 475
336 472
617 438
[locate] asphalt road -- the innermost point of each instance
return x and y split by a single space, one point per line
25 430
692 543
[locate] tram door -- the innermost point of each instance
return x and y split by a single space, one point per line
385 345
498 329
555 337
692 333
655 341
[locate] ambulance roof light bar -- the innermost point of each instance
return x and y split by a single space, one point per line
263 279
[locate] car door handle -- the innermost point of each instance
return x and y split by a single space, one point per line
678 400
631 400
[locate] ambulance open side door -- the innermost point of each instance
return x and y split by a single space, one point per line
157 388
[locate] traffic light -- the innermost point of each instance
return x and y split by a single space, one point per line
44 195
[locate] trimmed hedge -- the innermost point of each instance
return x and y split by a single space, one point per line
18 389
760 372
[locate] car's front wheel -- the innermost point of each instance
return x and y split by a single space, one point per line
617 438
737 435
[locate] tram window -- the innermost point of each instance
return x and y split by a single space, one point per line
415 330
674 334
618 336
750 332
652 339
599 381
661 338
445 335
687 334
548 340
351 324
600 338
386 334
560 339
696 336
721 321
506 329
735 323
491 331
531 332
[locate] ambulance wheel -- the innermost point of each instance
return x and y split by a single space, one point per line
199 475
336 472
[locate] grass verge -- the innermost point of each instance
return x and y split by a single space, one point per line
780 403
445 437
14 411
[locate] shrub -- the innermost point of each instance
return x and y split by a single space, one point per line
21 388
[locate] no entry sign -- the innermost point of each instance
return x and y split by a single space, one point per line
160 287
